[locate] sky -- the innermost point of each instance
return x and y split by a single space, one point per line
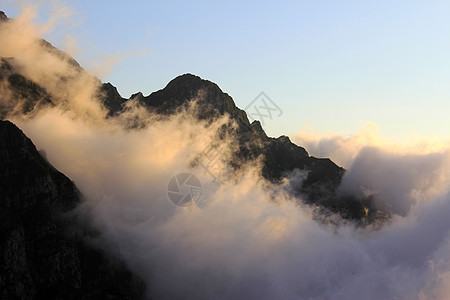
330 66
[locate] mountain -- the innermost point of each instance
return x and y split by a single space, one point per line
44 247
279 155
44 253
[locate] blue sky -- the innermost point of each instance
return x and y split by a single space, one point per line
329 65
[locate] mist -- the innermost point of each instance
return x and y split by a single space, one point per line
246 238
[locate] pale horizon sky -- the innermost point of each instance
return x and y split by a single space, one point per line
329 65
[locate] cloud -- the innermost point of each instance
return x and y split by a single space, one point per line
396 174
249 239
397 181
38 61
343 149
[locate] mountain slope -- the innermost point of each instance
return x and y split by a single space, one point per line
42 252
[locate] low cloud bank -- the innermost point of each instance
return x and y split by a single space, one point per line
249 239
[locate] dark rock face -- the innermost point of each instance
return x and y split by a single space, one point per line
42 254
111 98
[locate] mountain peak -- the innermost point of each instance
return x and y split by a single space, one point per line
186 78
180 91
186 86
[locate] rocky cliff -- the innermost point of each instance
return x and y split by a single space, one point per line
44 253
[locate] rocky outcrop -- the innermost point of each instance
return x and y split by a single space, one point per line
44 253
111 98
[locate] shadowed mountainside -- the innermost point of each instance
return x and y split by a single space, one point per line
43 249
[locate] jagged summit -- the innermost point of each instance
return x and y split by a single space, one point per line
111 98
187 79
177 91
187 87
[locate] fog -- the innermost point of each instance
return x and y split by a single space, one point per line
246 238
